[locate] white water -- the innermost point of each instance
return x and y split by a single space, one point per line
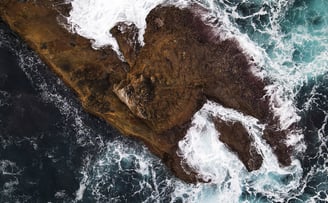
201 148
266 181
9 171
203 151
93 19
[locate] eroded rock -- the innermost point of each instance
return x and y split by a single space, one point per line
153 94
237 139
127 36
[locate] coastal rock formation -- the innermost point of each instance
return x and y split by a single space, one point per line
153 94
236 137
182 57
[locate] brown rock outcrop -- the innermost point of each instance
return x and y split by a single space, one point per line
236 137
178 58
153 94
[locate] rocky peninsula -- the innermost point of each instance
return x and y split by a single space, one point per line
153 93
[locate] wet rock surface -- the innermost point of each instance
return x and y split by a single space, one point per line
154 93
236 137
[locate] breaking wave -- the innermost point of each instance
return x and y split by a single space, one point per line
88 162
288 41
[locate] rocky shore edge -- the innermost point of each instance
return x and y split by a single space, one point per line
154 93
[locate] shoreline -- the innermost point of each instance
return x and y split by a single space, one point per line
139 99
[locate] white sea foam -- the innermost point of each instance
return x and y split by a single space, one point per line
286 74
9 168
51 91
93 19
9 172
279 93
201 148
84 181
205 154
60 194
120 165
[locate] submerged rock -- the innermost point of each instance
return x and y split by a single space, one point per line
154 93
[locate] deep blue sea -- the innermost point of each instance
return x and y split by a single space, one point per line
53 151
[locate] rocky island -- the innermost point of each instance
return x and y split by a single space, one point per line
155 90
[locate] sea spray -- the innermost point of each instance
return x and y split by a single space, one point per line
107 14
214 162
202 138
292 39
93 19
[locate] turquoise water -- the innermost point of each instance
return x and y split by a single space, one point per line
288 40
74 157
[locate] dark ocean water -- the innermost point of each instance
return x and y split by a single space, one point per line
45 135
52 151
